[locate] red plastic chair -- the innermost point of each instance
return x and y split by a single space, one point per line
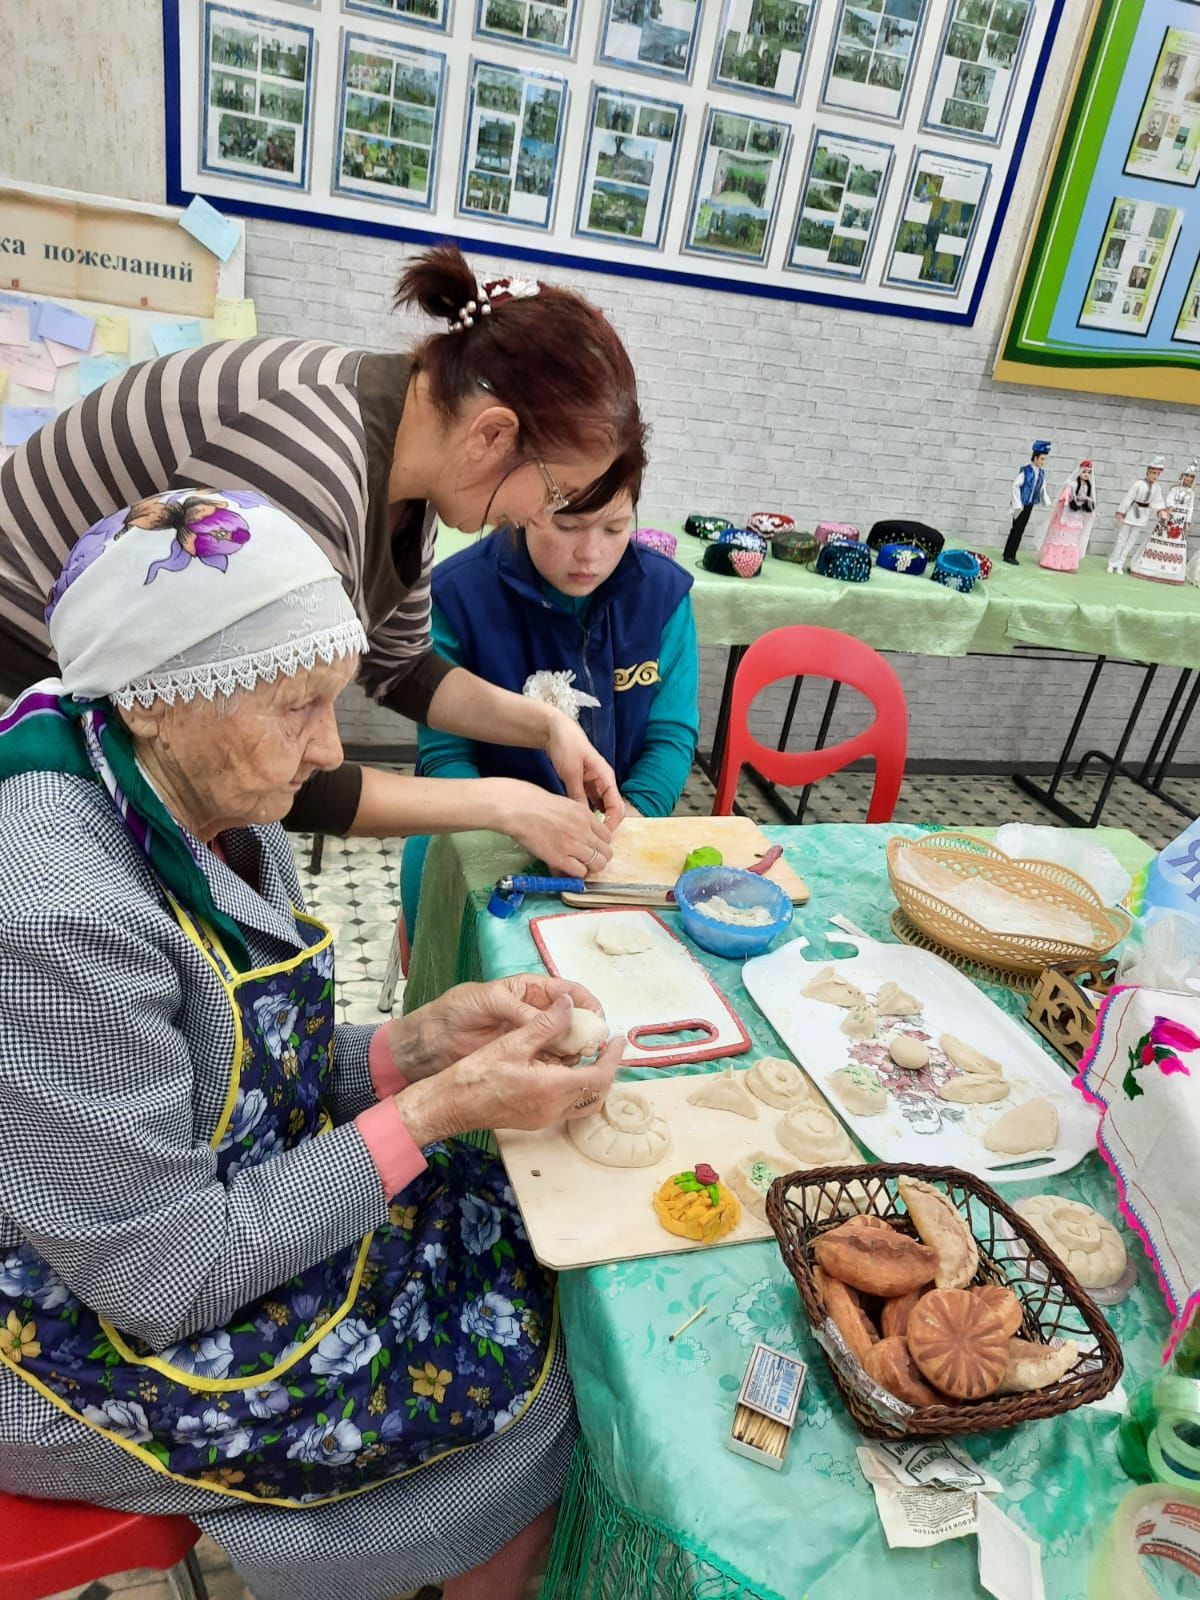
819 653
51 1545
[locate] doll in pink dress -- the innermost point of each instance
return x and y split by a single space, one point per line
1070 525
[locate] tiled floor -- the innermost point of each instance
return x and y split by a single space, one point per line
355 892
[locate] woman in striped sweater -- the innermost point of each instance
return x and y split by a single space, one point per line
528 402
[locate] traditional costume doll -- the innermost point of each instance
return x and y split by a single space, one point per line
1028 490
1137 513
1070 526
1163 557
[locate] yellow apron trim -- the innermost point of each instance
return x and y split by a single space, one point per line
149 1459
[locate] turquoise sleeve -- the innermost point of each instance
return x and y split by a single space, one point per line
445 755
657 778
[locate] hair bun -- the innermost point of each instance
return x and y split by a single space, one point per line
440 282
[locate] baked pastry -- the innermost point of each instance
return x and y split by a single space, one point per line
778 1082
859 1090
872 1256
835 990
942 1226
958 1342
815 1137
893 1369
893 1001
1036 1366
1085 1241
1003 1302
752 1176
725 1091
893 1319
967 1059
625 1132
908 1052
1028 1127
843 1305
697 1205
585 1034
860 1024
971 1090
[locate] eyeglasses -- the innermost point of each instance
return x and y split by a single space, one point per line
556 500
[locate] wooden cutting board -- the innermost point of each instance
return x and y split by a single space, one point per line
653 850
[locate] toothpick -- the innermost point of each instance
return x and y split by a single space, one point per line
684 1326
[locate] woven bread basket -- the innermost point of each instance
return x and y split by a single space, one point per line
804 1205
1044 884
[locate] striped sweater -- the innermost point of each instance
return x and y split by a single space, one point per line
310 425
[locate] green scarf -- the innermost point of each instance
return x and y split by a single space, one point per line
44 731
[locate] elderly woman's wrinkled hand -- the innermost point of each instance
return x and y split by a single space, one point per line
472 1015
514 1082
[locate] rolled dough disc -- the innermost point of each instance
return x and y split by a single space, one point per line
621 939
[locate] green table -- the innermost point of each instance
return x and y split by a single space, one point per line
657 1507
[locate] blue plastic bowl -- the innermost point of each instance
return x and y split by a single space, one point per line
741 889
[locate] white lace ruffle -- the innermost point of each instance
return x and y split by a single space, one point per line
213 678
556 689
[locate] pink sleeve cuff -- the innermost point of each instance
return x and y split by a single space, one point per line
390 1146
385 1074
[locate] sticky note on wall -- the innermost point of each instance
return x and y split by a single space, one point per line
18 423
235 319
95 370
29 365
71 328
14 325
206 224
171 337
113 334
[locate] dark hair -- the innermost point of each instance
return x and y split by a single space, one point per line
552 359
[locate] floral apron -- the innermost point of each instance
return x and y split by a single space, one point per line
430 1334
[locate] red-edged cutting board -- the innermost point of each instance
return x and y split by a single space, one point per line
662 1000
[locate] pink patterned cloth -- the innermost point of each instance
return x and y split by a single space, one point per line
824 532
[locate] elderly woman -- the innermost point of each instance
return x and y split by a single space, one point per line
241 1275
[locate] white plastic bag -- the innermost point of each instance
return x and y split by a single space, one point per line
1095 864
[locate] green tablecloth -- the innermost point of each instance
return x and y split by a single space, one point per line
1090 611
658 1507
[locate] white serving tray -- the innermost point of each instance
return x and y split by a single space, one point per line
920 1126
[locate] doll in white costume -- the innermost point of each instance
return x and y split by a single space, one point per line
1163 557
1140 509
1070 525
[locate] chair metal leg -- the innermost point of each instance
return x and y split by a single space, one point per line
185 1581
318 850
391 976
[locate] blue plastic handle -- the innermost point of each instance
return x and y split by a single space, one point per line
523 885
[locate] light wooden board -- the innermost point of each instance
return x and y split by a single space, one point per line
662 991
653 850
580 1214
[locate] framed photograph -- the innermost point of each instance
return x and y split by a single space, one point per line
762 47
657 36
1131 265
871 59
840 201
628 167
739 172
547 25
512 144
425 13
256 112
938 222
1166 140
389 121
978 57
1187 323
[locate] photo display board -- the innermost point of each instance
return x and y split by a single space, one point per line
856 152
1109 299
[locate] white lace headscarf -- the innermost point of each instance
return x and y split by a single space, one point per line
197 591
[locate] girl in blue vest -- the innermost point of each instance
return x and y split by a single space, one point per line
571 595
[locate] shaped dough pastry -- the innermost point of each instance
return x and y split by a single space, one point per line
942 1226
1003 1302
622 938
1036 1366
893 1369
835 990
967 1059
1087 1242
893 1001
752 1175
958 1342
859 1090
697 1205
815 1137
908 1052
725 1091
860 1023
778 1083
1032 1126
584 1036
874 1258
625 1132
973 1091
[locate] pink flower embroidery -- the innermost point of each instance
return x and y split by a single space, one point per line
1174 1036
1169 1064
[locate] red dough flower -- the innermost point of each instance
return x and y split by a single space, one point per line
705 1174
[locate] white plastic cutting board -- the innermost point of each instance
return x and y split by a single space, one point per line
920 1126
663 994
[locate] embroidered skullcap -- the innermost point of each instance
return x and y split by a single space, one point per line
196 591
1041 447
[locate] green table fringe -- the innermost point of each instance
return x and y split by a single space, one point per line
603 1550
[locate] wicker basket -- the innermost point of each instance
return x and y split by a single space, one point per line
1042 883
804 1205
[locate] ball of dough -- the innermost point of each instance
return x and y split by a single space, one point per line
1087 1242
625 1132
859 1090
908 1052
585 1034
617 938
778 1083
